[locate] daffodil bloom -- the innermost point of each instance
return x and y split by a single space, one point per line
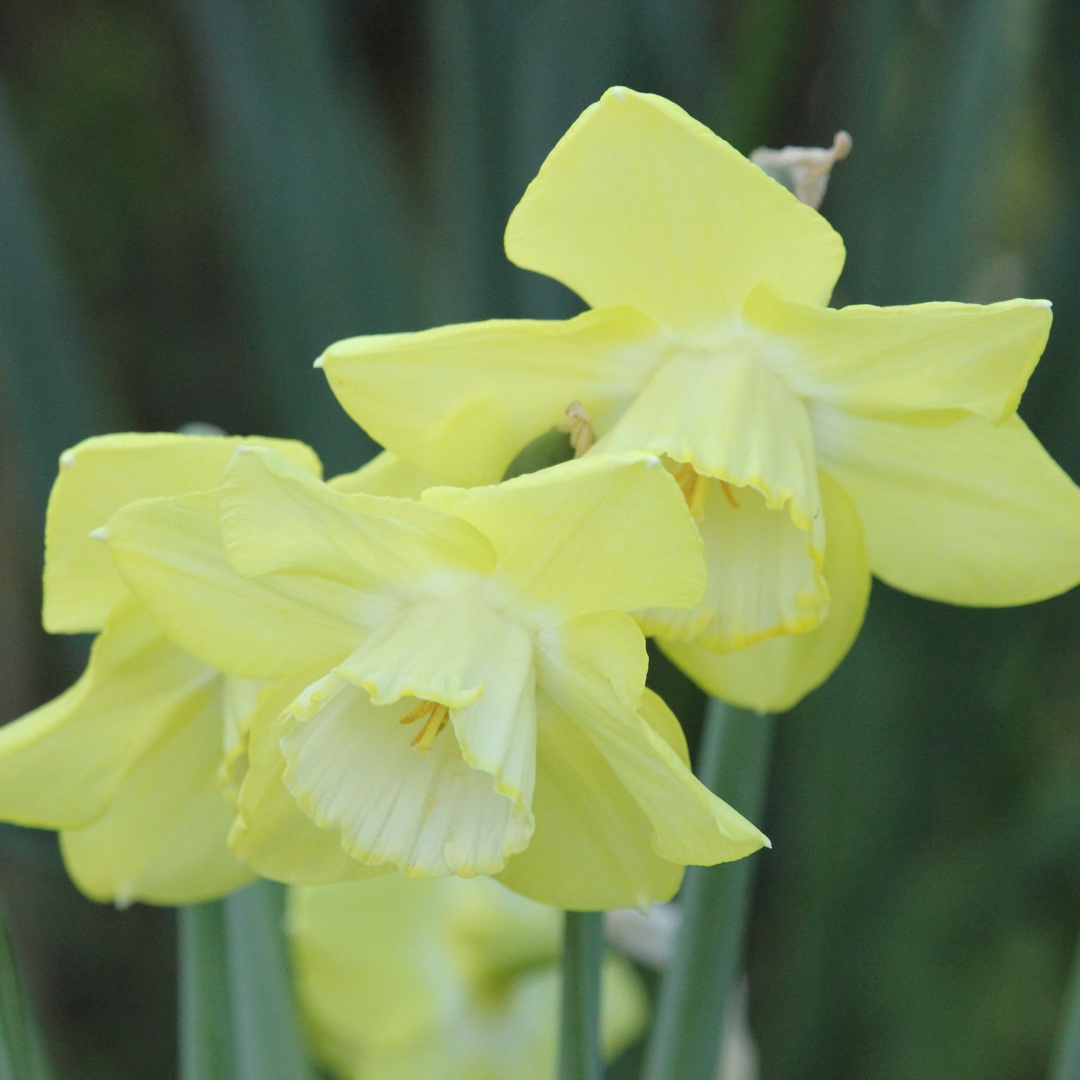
460 689
890 433
439 980
133 763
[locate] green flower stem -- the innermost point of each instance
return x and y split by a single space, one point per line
583 953
1066 1065
205 1050
685 1042
236 1007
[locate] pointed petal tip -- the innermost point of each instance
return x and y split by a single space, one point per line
100 533
67 459
320 361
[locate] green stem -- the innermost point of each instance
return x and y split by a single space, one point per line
1066 1065
22 1055
685 1043
205 1051
583 953
266 1036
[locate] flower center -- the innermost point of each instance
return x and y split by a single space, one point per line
579 427
435 717
695 489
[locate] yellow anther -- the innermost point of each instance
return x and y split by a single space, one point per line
435 717
695 488
579 427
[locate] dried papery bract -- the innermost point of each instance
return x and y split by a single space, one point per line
804 170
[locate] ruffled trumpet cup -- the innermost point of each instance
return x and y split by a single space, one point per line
890 433
134 764
460 689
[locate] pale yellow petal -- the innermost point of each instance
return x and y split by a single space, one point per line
96 478
275 517
764 577
387 474
732 417
592 849
774 675
459 652
271 833
594 669
597 534
968 512
162 839
61 765
171 555
888 361
639 204
461 401
351 766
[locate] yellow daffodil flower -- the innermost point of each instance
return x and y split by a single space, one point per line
890 431
446 979
460 688
131 763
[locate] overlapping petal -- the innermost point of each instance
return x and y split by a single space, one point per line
275 517
892 361
594 669
763 580
773 675
162 839
461 401
102 474
271 833
62 765
598 534
171 555
592 847
731 417
387 474
966 512
639 204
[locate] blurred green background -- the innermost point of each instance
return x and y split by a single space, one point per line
196 196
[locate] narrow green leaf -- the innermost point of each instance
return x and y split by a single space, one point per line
1066 1064
21 1053
265 1032
314 200
583 954
205 1039
714 900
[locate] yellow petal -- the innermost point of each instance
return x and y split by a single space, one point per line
387 474
352 766
461 401
764 579
162 839
594 669
61 765
732 417
99 476
171 555
592 848
598 534
885 361
969 513
639 204
271 833
774 675
276 517
459 652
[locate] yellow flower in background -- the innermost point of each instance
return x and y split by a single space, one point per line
813 445
461 691
132 764
447 979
